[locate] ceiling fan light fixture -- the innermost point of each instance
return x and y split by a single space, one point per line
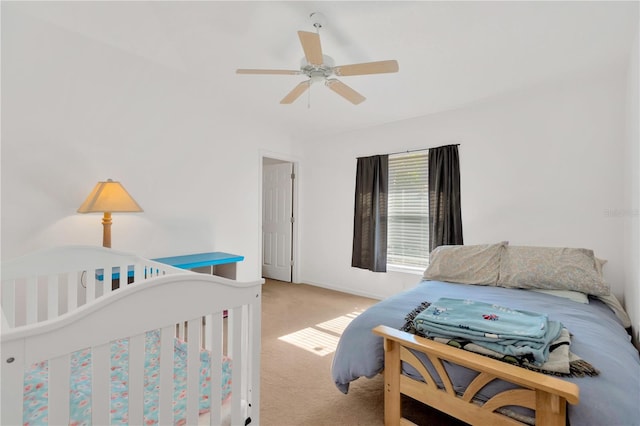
317 78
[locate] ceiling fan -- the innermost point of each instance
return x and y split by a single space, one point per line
320 68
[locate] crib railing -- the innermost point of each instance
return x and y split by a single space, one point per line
49 283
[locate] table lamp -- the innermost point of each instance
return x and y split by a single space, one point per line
109 197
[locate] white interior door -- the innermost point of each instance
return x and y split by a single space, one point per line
277 220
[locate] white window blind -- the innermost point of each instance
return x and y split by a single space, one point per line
408 210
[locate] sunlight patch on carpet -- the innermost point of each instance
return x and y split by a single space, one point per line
321 339
337 325
312 340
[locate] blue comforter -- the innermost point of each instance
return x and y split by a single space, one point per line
612 398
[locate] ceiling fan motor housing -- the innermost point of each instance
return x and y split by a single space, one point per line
317 72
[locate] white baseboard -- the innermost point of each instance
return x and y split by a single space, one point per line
345 290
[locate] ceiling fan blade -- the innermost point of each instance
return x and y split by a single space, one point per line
296 92
251 71
311 46
379 67
345 91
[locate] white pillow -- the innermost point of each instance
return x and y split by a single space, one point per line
576 296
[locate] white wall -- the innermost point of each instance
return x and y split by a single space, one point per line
538 167
548 166
76 111
631 210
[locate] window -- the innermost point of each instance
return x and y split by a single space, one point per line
408 211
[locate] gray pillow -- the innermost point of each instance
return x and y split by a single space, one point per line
552 268
474 264
612 301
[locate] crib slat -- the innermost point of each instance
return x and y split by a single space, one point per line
138 272
101 380
90 277
244 348
254 330
136 379
32 300
165 415
155 271
213 342
124 276
52 297
194 330
230 336
146 272
107 279
206 340
9 302
235 333
72 291
59 390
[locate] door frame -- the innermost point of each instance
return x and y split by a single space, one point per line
295 246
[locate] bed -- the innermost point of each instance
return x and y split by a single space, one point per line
95 336
478 389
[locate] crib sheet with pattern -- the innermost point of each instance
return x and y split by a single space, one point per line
36 384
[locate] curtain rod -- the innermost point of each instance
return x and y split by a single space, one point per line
421 149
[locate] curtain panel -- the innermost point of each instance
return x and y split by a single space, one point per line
445 212
370 214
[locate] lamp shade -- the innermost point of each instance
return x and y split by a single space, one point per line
110 197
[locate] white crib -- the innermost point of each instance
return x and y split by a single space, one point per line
59 301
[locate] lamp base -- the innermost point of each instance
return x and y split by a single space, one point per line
106 230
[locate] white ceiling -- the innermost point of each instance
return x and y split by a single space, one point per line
450 53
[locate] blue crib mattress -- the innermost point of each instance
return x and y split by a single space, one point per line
35 407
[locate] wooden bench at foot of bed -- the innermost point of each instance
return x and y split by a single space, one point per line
546 395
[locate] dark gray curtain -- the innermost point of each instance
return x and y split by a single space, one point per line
370 215
445 213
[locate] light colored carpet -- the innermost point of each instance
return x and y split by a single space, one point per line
296 384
